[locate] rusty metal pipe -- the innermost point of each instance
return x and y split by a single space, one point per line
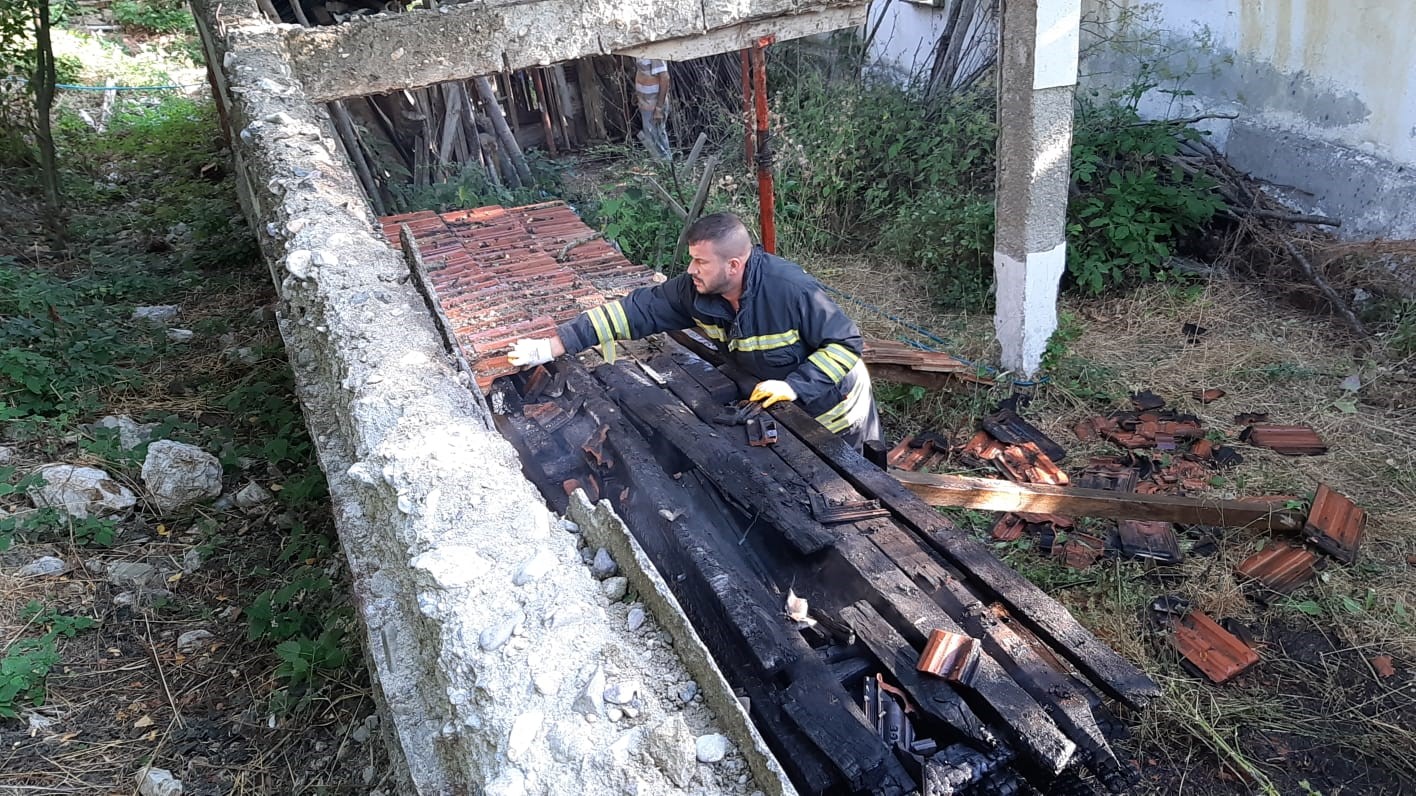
766 199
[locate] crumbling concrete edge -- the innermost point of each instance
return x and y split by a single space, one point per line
604 528
466 597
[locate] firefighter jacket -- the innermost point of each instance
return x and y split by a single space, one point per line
787 329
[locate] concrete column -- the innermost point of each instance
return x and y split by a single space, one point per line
1036 77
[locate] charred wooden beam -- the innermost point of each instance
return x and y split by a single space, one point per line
743 475
1043 615
988 494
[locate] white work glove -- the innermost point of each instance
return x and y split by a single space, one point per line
530 352
771 391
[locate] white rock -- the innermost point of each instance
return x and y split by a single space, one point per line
534 568
38 722
44 566
602 566
523 732
81 492
547 682
193 640
614 714
671 745
158 782
159 315
180 335
570 526
178 474
253 495
615 588
622 693
688 691
592 700
636 619
711 748
133 574
131 434
7 454
191 561
493 638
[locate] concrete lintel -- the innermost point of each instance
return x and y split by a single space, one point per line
744 35
374 55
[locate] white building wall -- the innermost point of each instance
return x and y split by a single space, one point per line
1324 92
904 41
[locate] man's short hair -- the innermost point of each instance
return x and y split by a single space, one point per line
718 228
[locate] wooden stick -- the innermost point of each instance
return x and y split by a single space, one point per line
700 198
1331 295
1293 218
504 134
674 206
988 494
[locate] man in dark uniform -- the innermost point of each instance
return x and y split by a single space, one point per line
765 314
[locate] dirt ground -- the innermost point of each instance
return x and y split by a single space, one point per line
1316 715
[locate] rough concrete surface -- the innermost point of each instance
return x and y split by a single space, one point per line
483 626
384 53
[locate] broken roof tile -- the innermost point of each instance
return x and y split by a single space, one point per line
1079 550
1335 524
952 656
1298 440
1152 540
1216 652
1208 396
1279 568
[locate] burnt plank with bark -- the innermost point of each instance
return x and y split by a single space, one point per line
744 477
1043 615
933 696
989 494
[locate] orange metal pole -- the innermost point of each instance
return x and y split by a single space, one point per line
747 124
766 198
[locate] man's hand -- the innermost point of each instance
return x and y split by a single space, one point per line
772 391
658 114
530 352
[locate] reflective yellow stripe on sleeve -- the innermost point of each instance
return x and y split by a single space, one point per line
603 330
711 331
621 321
846 357
829 366
765 342
835 419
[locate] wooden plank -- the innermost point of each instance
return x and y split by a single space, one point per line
910 610
1066 704
737 470
817 715
988 494
1043 615
934 697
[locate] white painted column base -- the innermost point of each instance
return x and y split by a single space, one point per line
1026 314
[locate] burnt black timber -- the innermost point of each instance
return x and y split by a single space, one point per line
818 716
989 494
747 648
910 610
1042 615
933 696
1068 706
744 476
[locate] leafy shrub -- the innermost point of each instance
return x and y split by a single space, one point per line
1133 204
645 230
950 236
155 16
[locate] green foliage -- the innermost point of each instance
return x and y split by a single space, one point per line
645 230
856 158
22 672
28 660
1132 203
62 341
154 16
950 236
310 626
167 201
471 188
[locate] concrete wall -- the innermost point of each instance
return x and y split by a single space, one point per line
1325 92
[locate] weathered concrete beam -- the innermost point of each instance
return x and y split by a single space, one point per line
488 641
373 55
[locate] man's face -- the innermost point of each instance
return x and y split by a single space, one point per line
713 274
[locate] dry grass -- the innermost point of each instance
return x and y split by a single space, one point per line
1315 695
